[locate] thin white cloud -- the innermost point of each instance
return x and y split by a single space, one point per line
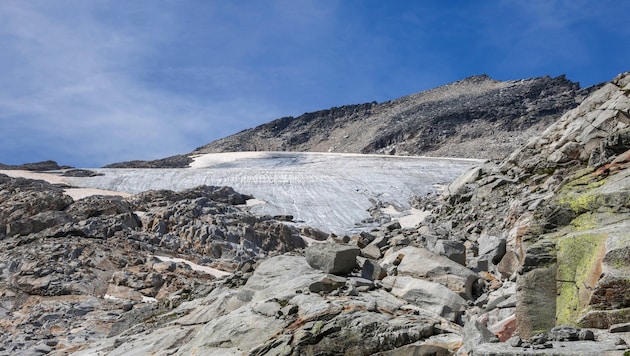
103 81
72 82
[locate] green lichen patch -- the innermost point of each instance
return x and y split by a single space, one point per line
586 221
579 203
579 194
579 266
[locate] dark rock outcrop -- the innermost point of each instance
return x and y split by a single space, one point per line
178 161
36 166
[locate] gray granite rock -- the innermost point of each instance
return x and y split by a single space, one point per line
332 257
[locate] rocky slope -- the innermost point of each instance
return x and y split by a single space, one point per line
559 221
527 256
477 117
37 166
533 251
77 271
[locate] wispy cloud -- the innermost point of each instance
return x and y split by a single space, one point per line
74 87
94 82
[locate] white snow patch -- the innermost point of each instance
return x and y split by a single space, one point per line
413 218
205 269
80 193
145 299
148 299
407 218
111 297
50 178
254 202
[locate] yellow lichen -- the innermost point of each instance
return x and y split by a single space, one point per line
586 221
578 194
579 267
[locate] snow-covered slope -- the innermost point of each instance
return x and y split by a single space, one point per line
332 192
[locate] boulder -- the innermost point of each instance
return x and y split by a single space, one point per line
372 271
427 295
504 329
371 251
421 263
509 264
327 284
491 248
564 333
453 250
475 333
332 257
620 328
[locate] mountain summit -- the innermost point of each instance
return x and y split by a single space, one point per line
477 117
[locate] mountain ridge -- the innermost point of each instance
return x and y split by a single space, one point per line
475 117
434 122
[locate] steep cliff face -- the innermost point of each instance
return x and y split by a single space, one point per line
561 207
477 117
585 226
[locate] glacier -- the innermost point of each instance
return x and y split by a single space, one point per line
328 191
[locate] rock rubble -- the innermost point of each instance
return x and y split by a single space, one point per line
527 255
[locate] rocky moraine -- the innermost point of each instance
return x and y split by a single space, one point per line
526 253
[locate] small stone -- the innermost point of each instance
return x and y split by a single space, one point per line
586 335
393 226
539 339
162 267
564 333
483 299
515 341
42 348
620 328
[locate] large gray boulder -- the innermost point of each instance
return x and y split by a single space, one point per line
427 295
475 333
453 250
332 257
419 262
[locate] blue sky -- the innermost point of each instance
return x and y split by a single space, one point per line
88 83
